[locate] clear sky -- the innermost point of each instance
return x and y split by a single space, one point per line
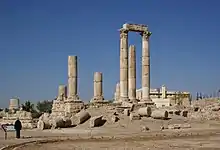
36 37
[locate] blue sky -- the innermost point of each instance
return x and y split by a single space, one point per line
36 37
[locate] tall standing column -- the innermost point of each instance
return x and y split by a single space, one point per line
123 65
145 67
72 79
132 73
98 89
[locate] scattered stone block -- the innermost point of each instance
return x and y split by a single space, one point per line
184 113
185 126
216 108
41 125
134 116
144 128
80 118
67 122
196 109
96 121
127 104
126 112
58 123
160 114
179 126
146 111
177 112
114 118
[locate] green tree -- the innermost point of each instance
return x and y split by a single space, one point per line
45 106
28 106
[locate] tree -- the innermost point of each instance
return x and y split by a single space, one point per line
28 106
45 106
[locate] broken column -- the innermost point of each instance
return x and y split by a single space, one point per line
98 91
123 65
73 104
58 106
145 67
62 92
132 74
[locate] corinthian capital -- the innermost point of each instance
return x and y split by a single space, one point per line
123 33
146 34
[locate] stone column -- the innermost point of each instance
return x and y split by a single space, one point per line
145 67
72 79
117 93
164 91
132 73
123 65
62 92
98 90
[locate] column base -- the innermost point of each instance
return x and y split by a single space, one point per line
147 101
73 105
122 99
74 98
97 99
134 100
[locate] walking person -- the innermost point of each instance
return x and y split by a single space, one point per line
18 127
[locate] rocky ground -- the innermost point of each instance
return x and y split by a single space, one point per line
147 133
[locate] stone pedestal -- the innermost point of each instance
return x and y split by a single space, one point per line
72 107
58 108
98 89
132 74
123 65
145 68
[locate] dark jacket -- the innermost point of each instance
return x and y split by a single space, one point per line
18 125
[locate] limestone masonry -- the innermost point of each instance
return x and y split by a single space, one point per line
68 109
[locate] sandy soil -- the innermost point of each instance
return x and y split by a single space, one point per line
201 143
124 134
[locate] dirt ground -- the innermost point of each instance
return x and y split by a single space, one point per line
200 143
124 134
204 138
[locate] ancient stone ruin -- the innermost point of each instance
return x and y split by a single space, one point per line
24 116
128 64
68 110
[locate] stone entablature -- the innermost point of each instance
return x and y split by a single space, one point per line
135 27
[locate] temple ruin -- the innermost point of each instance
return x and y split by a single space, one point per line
125 71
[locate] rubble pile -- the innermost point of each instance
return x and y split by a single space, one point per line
205 110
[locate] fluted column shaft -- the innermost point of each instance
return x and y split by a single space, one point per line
72 77
123 65
98 88
117 93
132 73
145 67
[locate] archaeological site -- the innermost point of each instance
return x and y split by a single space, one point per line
136 119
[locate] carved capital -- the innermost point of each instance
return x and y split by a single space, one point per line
123 33
146 34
